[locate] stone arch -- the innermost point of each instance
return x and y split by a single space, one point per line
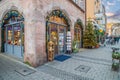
79 22
62 10
20 10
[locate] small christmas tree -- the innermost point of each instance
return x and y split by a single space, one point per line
89 38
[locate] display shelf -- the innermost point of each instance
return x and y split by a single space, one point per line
69 42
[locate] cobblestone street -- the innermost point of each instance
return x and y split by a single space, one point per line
88 64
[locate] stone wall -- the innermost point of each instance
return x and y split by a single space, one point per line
35 12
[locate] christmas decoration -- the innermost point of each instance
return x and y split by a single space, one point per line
57 13
51 51
89 38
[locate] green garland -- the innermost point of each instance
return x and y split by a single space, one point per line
79 22
57 13
11 14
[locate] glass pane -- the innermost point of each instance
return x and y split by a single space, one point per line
22 33
9 34
17 35
58 20
54 36
61 39
77 33
53 33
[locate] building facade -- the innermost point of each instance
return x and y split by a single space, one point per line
95 11
90 9
26 28
109 28
115 30
100 15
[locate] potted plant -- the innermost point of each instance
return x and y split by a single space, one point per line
115 66
75 47
97 46
116 55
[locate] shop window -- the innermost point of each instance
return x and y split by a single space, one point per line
14 28
77 33
9 36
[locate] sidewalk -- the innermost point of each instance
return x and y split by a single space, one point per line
88 64
11 69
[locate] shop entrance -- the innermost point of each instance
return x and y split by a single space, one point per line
57 34
56 29
13 34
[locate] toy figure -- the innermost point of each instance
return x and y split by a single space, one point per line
50 50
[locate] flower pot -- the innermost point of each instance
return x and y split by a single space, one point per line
116 55
97 46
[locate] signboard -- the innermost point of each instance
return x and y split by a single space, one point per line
69 41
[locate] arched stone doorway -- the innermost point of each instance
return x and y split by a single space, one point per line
12 34
56 28
78 33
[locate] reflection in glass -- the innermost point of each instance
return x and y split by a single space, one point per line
9 33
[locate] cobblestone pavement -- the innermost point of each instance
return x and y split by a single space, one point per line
11 69
88 64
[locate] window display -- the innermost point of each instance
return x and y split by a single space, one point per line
13 30
77 35
17 35
9 32
14 35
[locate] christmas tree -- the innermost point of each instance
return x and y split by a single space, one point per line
89 38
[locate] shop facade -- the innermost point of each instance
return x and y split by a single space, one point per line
12 29
27 27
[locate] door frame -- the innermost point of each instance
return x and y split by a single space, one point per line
48 38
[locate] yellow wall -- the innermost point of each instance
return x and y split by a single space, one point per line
108 28
90 9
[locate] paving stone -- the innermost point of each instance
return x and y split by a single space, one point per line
62 74
82 68
25 71
99 60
